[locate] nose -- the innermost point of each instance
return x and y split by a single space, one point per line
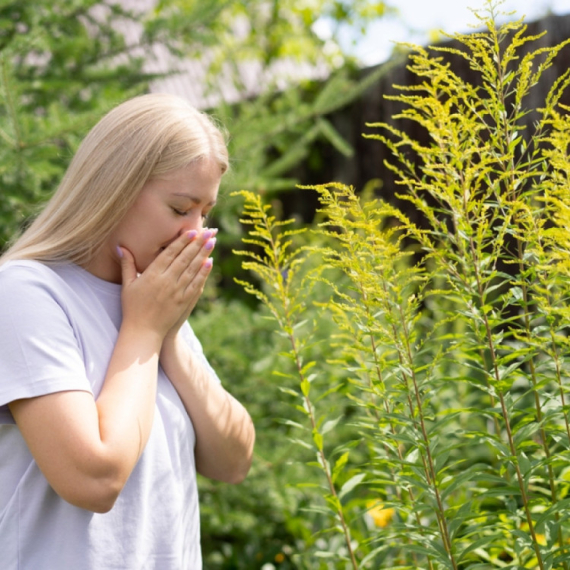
191 222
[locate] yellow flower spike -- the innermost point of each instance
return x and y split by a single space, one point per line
380 516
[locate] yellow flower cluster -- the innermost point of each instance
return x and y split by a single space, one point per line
380 516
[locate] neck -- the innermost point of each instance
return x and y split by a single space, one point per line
105 265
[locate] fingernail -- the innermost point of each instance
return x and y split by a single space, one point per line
191 234
207 234
210 244
119 251
208 263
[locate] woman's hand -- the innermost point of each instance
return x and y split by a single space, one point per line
164 295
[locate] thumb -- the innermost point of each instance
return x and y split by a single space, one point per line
128 269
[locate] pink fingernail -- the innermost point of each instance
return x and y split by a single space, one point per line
191 234
208 263
119 251
209 245
207 234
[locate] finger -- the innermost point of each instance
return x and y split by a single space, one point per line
195 288
128 268
190 259
190 262
173 250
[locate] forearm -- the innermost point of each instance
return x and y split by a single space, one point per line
127 400
224 431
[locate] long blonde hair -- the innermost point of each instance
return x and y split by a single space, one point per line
140 139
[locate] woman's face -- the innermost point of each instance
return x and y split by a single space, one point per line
167 206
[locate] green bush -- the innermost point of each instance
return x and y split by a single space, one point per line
427 366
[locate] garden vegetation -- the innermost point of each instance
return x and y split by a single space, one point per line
427 363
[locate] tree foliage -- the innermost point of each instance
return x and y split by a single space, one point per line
64 63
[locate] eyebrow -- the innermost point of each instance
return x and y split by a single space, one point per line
193 198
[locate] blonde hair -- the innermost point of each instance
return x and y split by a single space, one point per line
140 139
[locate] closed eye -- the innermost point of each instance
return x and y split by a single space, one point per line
182 213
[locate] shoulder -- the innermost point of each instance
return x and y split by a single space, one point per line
39 350
32 288
19 277
19 272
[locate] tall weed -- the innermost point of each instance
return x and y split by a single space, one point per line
447 341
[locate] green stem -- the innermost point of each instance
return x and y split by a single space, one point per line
288 328
427 457
387 407
504 411
539 414
430 462
324 462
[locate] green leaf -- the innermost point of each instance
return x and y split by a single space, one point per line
339 466
351 484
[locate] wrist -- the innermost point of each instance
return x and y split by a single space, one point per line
141 336
170 344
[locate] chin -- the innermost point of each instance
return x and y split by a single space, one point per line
142 262
140 266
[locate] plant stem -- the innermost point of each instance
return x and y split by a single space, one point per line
387 407
324 462
289 328
504 411
539 414
427 458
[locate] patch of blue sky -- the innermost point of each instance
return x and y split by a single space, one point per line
420 22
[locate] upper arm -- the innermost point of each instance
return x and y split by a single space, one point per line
62 433
43 381
39 351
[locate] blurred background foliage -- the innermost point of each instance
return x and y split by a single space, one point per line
64 63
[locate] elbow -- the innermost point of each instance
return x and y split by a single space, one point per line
96 492
230 460
233 469
238 475
241 466
99 506
233 472
102 502
97 497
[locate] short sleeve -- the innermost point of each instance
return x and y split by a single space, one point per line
192 340
39 352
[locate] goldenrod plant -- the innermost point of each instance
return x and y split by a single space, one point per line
449 336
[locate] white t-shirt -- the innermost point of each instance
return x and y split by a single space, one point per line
58 328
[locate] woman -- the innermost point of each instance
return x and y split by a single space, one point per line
107 404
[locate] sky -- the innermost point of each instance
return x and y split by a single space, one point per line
418 20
